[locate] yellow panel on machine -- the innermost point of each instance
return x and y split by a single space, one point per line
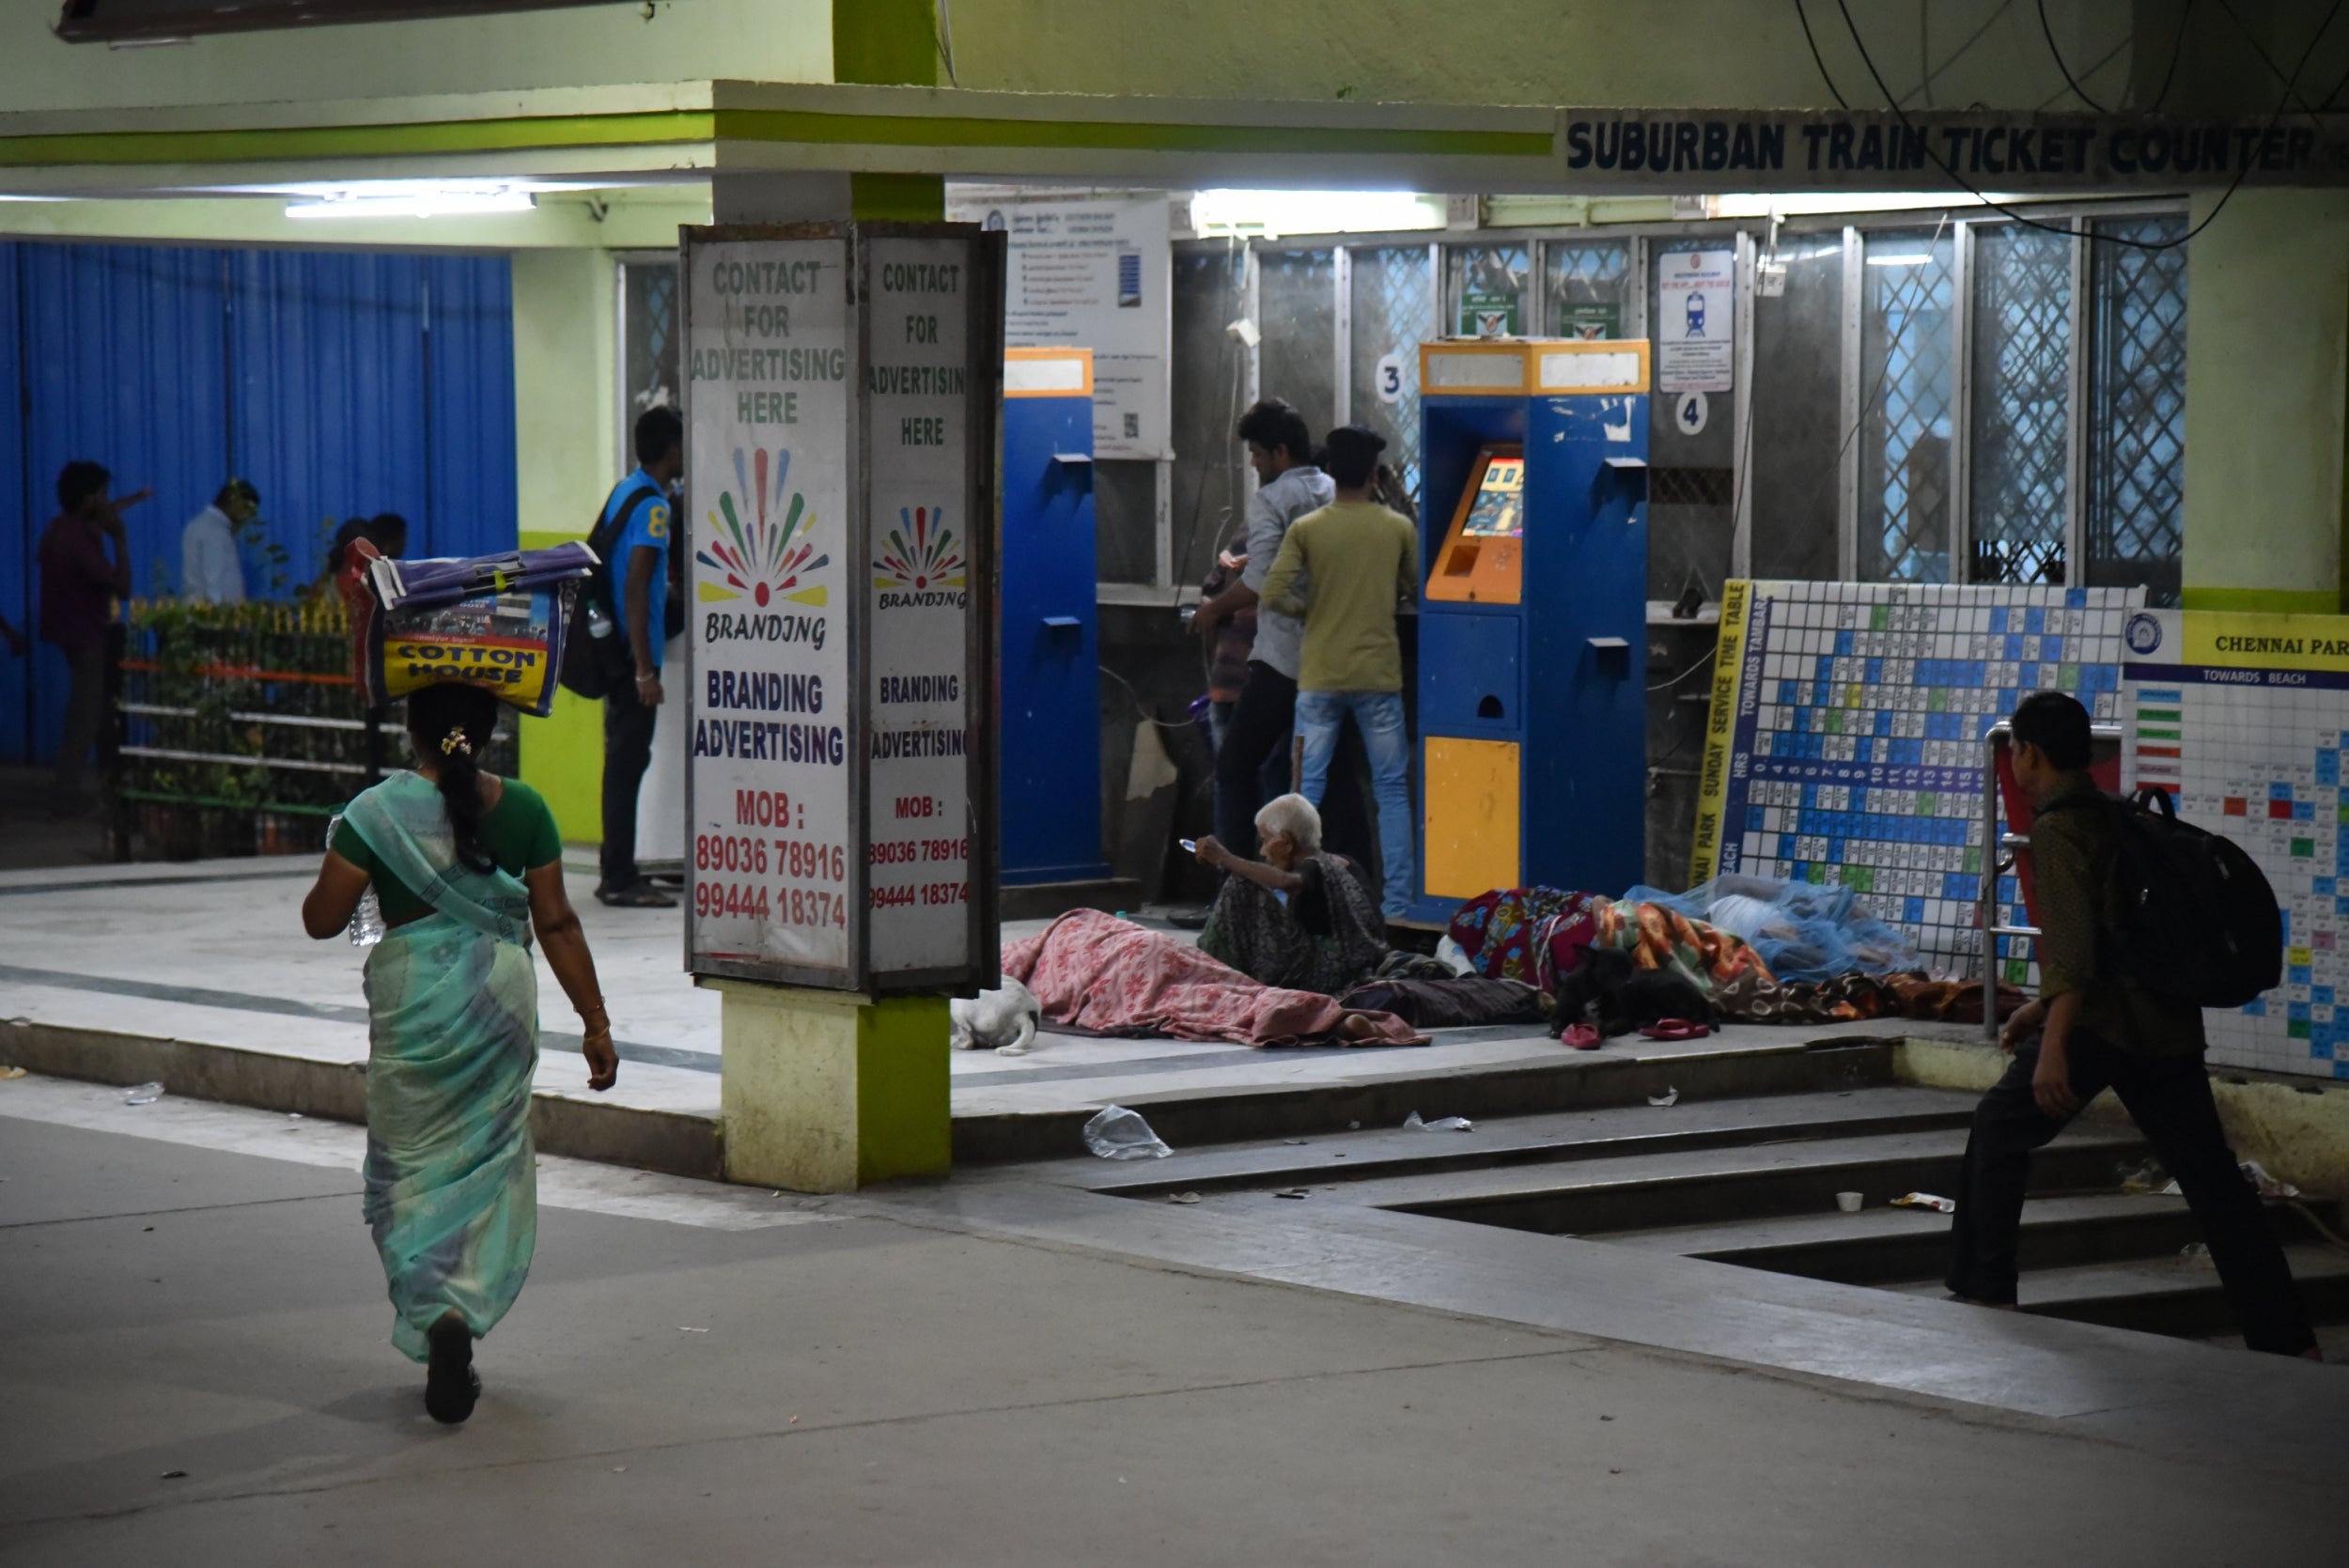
1471 816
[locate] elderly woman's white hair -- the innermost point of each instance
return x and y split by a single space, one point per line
1294 815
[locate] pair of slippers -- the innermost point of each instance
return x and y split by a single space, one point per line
1582 1036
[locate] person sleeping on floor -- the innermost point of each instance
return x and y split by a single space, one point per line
1283 958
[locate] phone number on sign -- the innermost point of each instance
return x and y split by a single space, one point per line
780 905
792 857
922 893
906 851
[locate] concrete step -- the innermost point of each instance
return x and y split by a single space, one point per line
1640 1192
1520 1140
2170 1294
1882 1245
1556 1080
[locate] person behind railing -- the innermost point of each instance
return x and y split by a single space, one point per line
210 570
386 531
2095 1026
85 574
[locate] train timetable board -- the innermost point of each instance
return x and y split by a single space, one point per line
2244 719
1844 740
840 431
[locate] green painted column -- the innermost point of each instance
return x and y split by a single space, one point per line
827 1091
2267 385
891 43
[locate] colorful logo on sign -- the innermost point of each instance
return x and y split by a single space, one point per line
773 556
920 555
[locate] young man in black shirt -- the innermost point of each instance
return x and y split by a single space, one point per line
2095 1026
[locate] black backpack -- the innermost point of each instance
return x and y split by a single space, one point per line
594 667
2201 924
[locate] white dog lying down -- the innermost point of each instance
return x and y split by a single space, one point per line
1004 1019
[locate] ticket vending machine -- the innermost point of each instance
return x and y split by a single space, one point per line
1049 692
1532 668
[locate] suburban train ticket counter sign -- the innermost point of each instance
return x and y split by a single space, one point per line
839 492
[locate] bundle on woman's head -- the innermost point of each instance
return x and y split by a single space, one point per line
451 723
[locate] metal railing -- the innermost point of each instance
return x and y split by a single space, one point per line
2001 852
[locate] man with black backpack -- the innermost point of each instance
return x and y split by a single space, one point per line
632 537
2102 1020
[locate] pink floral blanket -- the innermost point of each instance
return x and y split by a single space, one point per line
1098 972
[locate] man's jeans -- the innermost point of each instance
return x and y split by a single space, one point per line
1379 716
2170 1099
628 726
85 724
1251 756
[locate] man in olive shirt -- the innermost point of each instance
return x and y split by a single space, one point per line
1360 558
2097 1028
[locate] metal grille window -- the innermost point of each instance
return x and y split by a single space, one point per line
2135 459
1586 289
1800 431
1484 290
1907 364
1393 300
2021 436
1298 289
1209 389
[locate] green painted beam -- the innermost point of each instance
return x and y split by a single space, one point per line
356 140
811 127
2264 601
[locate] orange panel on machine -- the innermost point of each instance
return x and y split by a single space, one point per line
1483 558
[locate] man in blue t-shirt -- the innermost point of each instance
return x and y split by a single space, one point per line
640 571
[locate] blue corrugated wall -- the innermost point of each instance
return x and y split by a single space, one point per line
16 544
340 383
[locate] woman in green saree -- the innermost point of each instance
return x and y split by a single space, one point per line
465 865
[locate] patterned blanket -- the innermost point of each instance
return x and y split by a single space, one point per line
1111 976
1539 936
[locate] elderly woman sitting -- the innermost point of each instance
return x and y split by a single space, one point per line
1301 918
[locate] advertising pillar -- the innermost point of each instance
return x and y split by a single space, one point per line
842 394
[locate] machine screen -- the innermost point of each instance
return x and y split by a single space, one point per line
1499 509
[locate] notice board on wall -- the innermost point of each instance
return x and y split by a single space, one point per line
842 386
1091 270
2243 719
1844 740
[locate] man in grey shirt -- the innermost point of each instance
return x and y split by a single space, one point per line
1256 742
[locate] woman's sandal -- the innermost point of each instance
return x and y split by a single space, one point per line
450 1384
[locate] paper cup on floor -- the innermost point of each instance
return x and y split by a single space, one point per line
1847 1202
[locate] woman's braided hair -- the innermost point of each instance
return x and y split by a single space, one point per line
450 725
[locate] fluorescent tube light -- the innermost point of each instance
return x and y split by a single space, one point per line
452 203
